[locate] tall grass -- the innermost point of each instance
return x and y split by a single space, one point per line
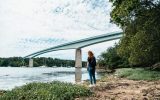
46 91
138 74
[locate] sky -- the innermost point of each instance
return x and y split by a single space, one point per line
27 26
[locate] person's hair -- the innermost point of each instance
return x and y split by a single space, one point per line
90 54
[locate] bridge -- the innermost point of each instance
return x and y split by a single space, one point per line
77 45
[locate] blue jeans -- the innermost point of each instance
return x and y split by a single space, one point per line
92 75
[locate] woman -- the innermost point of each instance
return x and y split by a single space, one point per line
91 67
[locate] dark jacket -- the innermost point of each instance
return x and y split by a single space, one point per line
92 63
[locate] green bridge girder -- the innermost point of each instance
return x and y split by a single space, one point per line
80 43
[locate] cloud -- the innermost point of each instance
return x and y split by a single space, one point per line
27 26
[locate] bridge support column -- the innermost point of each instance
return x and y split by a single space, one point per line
78 65
30 62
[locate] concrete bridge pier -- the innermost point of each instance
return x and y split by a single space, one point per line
31 62
78 65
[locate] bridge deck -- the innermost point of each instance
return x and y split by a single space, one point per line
80 43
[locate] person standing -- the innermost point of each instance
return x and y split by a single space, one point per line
91 67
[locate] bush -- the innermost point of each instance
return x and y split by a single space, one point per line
46 91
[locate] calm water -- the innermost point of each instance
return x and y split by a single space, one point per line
11 77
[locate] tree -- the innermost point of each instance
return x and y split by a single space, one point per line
40 61
140 21
111 60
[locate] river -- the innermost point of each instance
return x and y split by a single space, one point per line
11 77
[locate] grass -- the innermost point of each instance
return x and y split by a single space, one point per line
47 91
138 74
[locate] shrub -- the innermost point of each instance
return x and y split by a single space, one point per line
46 91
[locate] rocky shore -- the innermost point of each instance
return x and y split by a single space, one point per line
114 88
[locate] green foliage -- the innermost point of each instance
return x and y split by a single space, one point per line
138 74
111 59
140 20
47 91
50 62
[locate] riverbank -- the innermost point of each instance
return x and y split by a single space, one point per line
127 84
124 84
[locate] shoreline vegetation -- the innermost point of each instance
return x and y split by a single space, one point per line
46 91
39 61
124 83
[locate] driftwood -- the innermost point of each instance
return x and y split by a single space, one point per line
156 66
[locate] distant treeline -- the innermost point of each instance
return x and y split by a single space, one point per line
41 61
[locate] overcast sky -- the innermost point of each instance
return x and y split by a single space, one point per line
27 26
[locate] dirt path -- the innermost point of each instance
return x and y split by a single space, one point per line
113 88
